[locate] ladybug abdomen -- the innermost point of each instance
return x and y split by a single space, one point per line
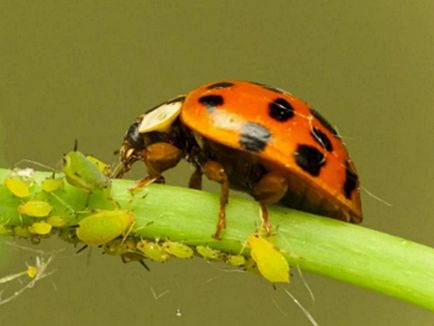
245 169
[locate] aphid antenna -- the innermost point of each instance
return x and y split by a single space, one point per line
306 284
302 308
35 163
276 304
63 203
130 229
81 249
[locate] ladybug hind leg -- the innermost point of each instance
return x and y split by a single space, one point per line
196 179
216 172
269 190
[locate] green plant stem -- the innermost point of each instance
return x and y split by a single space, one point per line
364 257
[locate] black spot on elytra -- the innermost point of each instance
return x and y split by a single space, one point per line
321 138
254 137
351 181
134 138
273 89
176 99
211 101
324 122
309 159
220 85
280 110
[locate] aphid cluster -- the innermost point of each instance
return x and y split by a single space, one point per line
38 205
41 206
265 258
35 210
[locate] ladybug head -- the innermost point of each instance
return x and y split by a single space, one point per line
130 151
149 128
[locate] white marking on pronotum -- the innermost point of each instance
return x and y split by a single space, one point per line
161 118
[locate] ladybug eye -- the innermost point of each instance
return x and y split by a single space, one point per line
161 118
133 136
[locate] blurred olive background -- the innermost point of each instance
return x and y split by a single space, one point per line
85 69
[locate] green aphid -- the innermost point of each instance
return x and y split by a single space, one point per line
236 260
35 208
104 226
177 249
126 249
270 261
83 173
56 221
17 186
40 228
209 253
22 232
153 251
50 185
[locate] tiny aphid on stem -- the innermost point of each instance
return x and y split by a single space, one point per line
51 185
83 173
209 253
177 249
40 228
35 208
17 186
126 249
104 226
152 250
103 167
269 260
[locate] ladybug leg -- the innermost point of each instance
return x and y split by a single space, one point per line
158 157
196 179
269 190
215 172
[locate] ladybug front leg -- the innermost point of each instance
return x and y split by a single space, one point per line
158 157
269 190
216 172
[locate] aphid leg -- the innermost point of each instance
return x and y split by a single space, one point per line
89 194
215 172
128 257
196 179
81 249
141 262
269 190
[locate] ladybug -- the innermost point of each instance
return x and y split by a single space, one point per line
250 137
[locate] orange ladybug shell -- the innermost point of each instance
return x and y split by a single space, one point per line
283 131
